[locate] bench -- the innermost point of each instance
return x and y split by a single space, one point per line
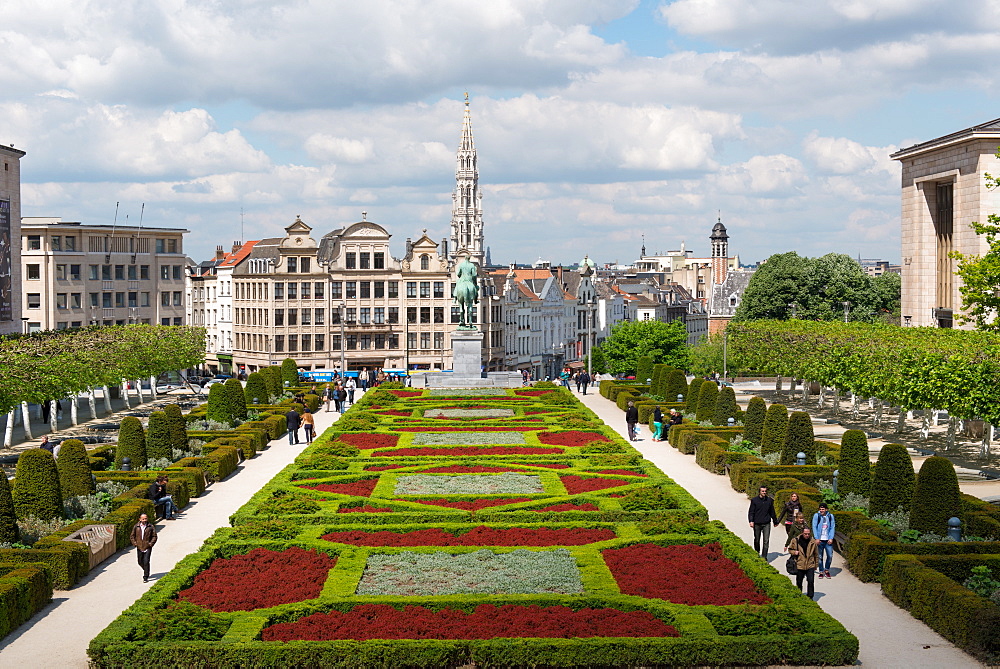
100 539
839 541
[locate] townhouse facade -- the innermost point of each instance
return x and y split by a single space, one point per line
10 238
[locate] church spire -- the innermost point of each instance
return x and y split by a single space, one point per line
467 200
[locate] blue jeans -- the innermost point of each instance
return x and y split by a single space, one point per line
169 508
825 548
293 435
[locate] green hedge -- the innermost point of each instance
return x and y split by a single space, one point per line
194 477
24 590
244 442
712 455
866 554
217 463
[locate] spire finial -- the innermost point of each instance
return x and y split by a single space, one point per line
364 215
466 98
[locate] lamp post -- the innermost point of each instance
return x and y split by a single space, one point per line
343 343
794 307
847 308
906 321
24 325
591 330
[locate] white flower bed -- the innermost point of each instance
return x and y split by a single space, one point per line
469 413
468 484
467 438
482 572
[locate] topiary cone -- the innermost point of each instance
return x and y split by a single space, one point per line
753 420
256 389
178 428
131 443
855 467
290 372
725 407
235 399
691 398
936 496
775 428
707 396
218 404
8 518
892 480
158 436
73 465
676 384
799 439
36 486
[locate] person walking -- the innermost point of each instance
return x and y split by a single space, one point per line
293 421
341 398
564 377
158 493
363 378
788 511
824 527
798 525
657 424
143 537
761 515
584 380
351 387
805 549
631 418
578 379
309 424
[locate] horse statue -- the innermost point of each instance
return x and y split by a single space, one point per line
467 292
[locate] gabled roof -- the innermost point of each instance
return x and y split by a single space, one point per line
233 259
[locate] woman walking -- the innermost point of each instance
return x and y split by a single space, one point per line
309 423
792 506
806 551
657 424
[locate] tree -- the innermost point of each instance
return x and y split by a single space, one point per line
644 369
256 391
691 396
8 518
665 343
892 480
217 408
73 465
775 428
799 438
235 399
707 395
676 384
659 383
158 444
725 407
753 420
131 443
178 428
936 496
598 365
36 486
855 467
289 372
980 275
705 357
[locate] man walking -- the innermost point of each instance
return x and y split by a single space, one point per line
585 381
293 422
351 387
761 516
631 418
824 526
143 537
341 399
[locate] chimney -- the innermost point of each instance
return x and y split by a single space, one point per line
237 246
219 253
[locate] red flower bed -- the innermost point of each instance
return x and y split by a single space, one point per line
469 450
474 505
479 536
394 412
476 398
369 440
550 465
276 577
469 428
577 484
381 621
382 468
406 393
686 574
627 472
532 393
363 509
571 438
469 469
569 507
362 488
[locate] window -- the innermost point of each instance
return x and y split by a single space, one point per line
144 272
411 288
279 290
394 341
335 342
144 299
178 320
306 342
411 340
366 318
456 315
293 290
70 245
365 261
293 316
34 300
379 289
352 342
56 243
165 272
351 316
334 316
350 260
95 300
133 299
393 315
106 300
163 321
293 266
279 316
161 245
293 343
425 340
76 324
74 272
425 314
351 289
379 260
393 289
105 272
319 316
366 290
379 318
335 290
94 272
379 341
60 272
119 300
306 290
304 267
438 315
438 340
178 298
177 272
425 289
34 271
120 272
279 343
411 314
61 325
172 248
318 290
34 242
320 341
439 289
307 316
425 262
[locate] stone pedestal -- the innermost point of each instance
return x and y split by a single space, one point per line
467 354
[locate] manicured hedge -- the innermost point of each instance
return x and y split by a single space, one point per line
24 589
36 486
936 497
73 466
892 480
866 554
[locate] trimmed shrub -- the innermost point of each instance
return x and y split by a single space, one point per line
753 420
218 404
73 466
158 443
178 427
855 467
8 519
691 396
36 486
936 496
676 384
256 391
643 369
725 407
799 439
660 373
131 443
289 372
272 376
775 428
707 395
235 399
892 480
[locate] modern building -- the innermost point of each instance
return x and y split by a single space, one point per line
10 241
76 274
944 190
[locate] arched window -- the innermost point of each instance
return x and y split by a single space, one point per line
425 262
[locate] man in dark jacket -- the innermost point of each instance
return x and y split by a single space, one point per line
631 418
293 420
158 493
761 516
585 381
143 537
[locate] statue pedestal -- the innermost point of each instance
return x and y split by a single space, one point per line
467 353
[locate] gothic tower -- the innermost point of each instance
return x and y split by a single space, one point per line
720 253
467 200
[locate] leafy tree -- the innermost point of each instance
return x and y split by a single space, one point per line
158 443
256 391
665 343
936 496
855 467
691 396
799 439
644 369
707 396
980 275
676 384
892 480
73 465
36 486
131 443
597 362
289 372
775 428
753 420
8 518
725 406
235 399
218 404
178 427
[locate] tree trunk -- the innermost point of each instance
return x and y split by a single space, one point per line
92 401
74 415
26 419
8 433
925 424
777 385
152 387
856 408
805 390
934 417
107 399
984 447
125 394
821 396
878 412
138 391
901 420
53 416
791 388
950 442
836 401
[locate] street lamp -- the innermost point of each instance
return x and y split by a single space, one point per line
591 330
343 343
847 308
24 325
906 321
794 307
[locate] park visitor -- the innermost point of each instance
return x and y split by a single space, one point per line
824 526
143 537
806 551
761 516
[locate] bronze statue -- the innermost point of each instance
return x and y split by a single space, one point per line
467 292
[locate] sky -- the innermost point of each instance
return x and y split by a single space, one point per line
599 124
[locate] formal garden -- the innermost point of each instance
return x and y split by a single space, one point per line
892 521
495 527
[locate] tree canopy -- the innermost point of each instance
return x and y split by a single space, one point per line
665 343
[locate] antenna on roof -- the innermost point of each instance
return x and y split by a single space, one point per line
135 249
242 235
109 242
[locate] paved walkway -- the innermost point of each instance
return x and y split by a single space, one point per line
890 637
61 631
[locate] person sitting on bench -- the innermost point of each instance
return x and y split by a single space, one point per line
158 493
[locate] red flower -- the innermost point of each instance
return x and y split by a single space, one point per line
451 451
550 465
468 469
577 484
475 505
532 393
362 488
363 509
260 579
570 438
685 574
569 507
394 412
382 468
627 472
478 536
406 393
468 428
369 440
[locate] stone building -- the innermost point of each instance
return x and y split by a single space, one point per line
943 191
10 240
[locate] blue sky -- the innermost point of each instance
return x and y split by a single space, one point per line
597 121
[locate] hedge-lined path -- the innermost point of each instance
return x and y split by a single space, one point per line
889 636
58 635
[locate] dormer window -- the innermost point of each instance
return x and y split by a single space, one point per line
293 264
350 260
425 262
